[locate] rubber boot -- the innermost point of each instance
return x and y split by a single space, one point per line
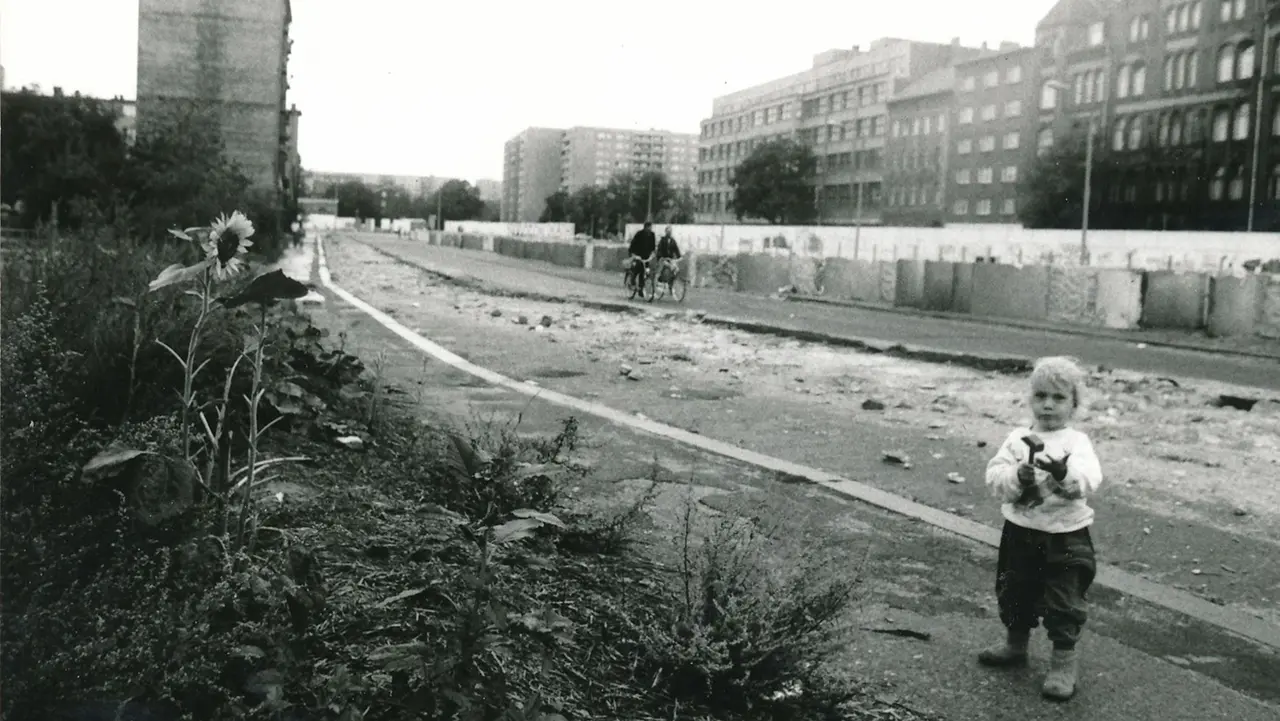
1060 683
1013 652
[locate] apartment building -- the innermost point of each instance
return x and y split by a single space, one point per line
916 157
838 106
591 156
320 183
1183 95
993 126
530 173
229 59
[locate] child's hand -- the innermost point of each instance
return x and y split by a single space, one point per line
1057 469
1026 474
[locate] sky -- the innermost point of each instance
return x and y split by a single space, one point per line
418 87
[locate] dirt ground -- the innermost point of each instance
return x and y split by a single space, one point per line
1192 496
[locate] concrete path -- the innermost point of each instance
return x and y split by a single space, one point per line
1139 659
876 326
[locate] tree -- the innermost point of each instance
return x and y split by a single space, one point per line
457 200
775 183
589 210
1052 191
633 197
357 200
557 208
683 206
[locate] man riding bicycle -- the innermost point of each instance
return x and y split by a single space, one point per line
667 252
642 247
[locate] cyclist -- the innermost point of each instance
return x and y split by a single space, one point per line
666 253
642 246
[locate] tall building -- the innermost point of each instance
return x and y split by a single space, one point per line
530 173
916 159
838 107
992 133
228 58
1183 96
591 156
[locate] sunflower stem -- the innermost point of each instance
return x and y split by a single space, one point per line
254 398
193 345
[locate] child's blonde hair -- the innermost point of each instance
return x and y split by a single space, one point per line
1061 372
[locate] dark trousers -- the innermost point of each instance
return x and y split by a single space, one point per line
1045 575
638 267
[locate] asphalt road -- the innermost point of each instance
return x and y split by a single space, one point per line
955 336
1142 662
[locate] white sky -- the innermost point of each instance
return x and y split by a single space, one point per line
435 87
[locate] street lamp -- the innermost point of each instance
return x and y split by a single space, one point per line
1059 89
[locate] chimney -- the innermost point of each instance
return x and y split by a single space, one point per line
955 42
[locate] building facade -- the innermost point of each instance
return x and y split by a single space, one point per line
530 173
490 190
838 107
591 156
916 158
228 58
992 129
1183 97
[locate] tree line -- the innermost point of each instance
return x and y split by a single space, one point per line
453 200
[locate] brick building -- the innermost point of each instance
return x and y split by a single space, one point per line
991 136
591 156
1184 96
916 158
838 106
228 58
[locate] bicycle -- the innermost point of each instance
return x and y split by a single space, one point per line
629 279
667 280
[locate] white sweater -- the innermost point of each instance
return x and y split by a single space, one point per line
1043 509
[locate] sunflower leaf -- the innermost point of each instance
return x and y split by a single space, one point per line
177 273
266 289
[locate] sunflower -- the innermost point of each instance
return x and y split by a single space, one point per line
228 243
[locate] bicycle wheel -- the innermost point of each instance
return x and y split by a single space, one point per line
629 280
679 288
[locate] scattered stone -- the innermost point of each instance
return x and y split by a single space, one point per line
982 444
1239 512
894 458
1237 402
496 313
633 376
955 477
625 370
681 357
353 443
872 405
935 425
933 438
546 321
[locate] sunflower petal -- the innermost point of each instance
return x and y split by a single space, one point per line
179 234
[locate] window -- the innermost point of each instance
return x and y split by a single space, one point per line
1135 133
1175 129
964 147
1235 189
1221 124
1197 13
1097 33
1275 182
915 126
1171 21
1135 29
1162 135
1044 139
1009 174
1240 128
1244 61
969 83
984 207
988 112
1080 87
1012 140
1224 11
1122 81
1009 207
942 123
1013 108
1013 75
1048 97
987 143
1275 120
961 207
897 128
1180 71
1168 72
928 124
991 79
877 126
1099 84
966 115
1139 79
985 176
1117 137
962 177
1226 63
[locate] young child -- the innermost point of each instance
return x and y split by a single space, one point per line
1046 560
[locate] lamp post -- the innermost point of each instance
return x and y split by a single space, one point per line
1059 89
1261 75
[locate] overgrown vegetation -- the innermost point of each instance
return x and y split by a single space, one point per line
211 510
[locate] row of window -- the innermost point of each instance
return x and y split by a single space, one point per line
987 143
860 97
986 176
836 132
1012 109
738 149
925 194
1235 62
991 78
982 207
761 117
923 125
921 159
1228 123
856 160
1226 184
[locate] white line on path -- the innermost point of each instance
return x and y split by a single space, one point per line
1250 627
